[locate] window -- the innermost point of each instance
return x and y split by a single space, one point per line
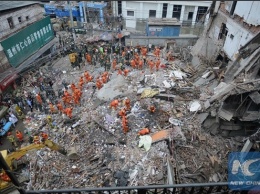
119 4
190 15
20 19
164 12
27 18
201 12
223 32
176 13
152 13
10 22
130 13
231 36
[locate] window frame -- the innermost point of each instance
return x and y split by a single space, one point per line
176 10
10 22
164 10
128 11
150 12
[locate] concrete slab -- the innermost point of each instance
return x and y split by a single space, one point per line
115 87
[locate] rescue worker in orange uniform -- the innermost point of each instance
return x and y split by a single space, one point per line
114 104
99 84
157 64
68 112
144 131
44 136
81 82
88 58
133 65
60 107
114 63
125 124
4 177
151 109
86 74
67 97
122 112
151 65
73 87
126 71
51 106
127 104
39 99
140 64
19 135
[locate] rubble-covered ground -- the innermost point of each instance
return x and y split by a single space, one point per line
107 156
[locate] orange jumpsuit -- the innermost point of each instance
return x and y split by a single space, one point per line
88 58
19 135
60 107
126 71
144 131
38 98
73 87
151 65
122 112
152 109
44 136
114 62
68 112
125 124
127 104
114 104
133 63
51 107
67 97
157 64
141 64
99 84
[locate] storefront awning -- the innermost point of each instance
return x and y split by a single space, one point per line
7 81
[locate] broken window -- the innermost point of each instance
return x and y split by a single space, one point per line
130 13
231 36
176 13
10 22
27 18
223 32
164 12
190 15
152 13
201 12
20 19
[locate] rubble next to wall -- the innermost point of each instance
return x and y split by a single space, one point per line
192 131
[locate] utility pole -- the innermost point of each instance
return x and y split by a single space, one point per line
8 171
71 22
85 13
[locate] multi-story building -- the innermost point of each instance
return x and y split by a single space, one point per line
135 12
231 25
24 30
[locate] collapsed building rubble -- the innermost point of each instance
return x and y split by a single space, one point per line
188 129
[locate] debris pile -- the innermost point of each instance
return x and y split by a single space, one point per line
176 117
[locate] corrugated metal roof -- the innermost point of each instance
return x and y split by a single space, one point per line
163 21
8 5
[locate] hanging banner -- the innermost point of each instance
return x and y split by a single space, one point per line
26 42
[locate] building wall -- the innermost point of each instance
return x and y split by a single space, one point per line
249 11
34 13
141 10
160 41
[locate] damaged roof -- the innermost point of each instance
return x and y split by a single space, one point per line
8 5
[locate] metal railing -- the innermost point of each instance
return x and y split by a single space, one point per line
197 188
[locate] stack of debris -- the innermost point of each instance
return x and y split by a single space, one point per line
192 130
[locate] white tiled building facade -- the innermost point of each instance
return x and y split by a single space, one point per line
188 12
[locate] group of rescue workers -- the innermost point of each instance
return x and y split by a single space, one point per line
133 57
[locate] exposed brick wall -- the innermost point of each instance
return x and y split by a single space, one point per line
34 12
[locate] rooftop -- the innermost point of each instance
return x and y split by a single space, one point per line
8 5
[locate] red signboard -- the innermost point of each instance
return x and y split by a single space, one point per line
7 81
